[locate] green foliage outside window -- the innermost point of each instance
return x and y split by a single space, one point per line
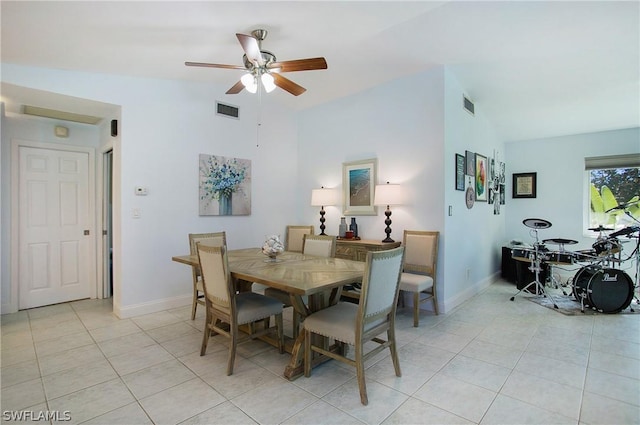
610 188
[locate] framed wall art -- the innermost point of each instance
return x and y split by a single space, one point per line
225 185
481 178
358 185
524 185
470 163
459 172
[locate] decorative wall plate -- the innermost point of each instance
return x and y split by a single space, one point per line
470 197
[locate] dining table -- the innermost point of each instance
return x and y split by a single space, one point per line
312 282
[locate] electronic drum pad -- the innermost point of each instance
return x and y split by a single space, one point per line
536 223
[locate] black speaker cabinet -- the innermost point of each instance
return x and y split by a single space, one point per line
519 272
114 128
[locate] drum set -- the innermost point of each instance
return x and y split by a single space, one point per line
599 284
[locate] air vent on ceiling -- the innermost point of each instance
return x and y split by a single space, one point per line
227 110
60 115
468 105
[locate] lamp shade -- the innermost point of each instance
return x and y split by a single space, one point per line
388 194
322 197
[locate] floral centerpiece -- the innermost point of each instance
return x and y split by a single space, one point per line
221 178
272 247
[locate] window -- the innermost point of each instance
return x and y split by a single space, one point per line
614 181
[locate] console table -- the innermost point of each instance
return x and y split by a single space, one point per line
356 249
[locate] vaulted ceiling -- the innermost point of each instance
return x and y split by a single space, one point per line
535 69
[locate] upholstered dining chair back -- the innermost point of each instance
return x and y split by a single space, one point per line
419 273
319 245
295 236
213 239
421 251
215 276
379 293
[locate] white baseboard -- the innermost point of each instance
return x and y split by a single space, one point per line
470 292
125 312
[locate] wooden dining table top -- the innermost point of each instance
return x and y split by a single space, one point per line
292 272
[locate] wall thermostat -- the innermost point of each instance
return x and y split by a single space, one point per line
141 191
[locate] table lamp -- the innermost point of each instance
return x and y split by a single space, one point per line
320 198
388 194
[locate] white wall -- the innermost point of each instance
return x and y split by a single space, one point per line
473 236
164 126
559 164
413 126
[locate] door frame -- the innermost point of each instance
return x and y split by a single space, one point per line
105 250
16 144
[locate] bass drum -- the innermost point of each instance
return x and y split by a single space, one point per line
606 290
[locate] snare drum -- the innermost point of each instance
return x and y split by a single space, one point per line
607 246
606 290
559 257
523 254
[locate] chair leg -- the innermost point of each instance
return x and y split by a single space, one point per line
194 305
416 309
233 342
435 304
391 336
207 331
307 353
360 374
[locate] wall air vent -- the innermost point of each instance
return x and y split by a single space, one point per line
227 110
468 105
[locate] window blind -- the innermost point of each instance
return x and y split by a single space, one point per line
612 161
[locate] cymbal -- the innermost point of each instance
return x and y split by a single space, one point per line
600 229
626 231
536 223
560 241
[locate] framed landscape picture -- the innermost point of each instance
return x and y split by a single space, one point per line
358 185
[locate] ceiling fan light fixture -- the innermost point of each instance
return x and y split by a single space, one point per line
268 82
249 82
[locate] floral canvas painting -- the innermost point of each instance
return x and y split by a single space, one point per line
225 185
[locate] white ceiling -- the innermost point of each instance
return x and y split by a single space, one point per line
535 69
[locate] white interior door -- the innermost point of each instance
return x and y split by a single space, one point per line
56 255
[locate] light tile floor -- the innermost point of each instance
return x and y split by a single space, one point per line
491 361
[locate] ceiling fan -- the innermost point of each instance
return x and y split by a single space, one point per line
263 67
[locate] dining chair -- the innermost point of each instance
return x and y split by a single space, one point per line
318 245
357 324
215 239
295 237
227 310
419 269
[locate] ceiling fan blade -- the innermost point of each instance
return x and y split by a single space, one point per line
237 88
251 48
299 65
288 85
214 65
